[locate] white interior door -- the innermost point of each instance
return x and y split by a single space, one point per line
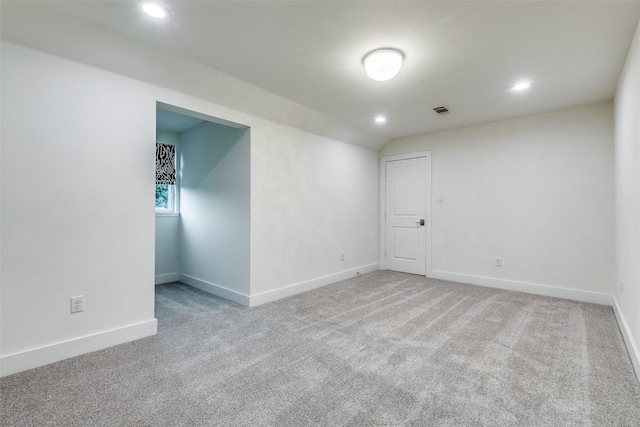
405 220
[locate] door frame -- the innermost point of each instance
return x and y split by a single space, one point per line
383 203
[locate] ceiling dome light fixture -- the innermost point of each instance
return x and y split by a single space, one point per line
155 10
381 119
383 64
521 86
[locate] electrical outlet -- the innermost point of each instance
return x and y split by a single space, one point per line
77 304
342 256
498 262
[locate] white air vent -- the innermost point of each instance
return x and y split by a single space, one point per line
441 110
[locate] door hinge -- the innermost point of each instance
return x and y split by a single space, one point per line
385 252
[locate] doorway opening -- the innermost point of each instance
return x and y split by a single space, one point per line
203 218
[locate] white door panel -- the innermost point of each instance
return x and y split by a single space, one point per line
405 215
405 243
405 183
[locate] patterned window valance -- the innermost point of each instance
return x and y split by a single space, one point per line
165 164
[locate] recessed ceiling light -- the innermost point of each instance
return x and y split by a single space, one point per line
383 64
155 10
381 119
521 86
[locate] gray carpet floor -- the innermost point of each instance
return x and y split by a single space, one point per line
381 349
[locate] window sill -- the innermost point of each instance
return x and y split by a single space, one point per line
167 214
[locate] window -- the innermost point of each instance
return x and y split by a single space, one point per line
165 178
165 198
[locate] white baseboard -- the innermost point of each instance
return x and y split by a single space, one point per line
216 290
530 288
167 278
634 354
287 291
29 359
276 294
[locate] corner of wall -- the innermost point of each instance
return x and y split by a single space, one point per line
632 348
627 201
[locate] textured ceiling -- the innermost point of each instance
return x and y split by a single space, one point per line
465 55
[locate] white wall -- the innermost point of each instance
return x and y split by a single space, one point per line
312 199
91 133
77 208
627 184
167 262
536 191
215 209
